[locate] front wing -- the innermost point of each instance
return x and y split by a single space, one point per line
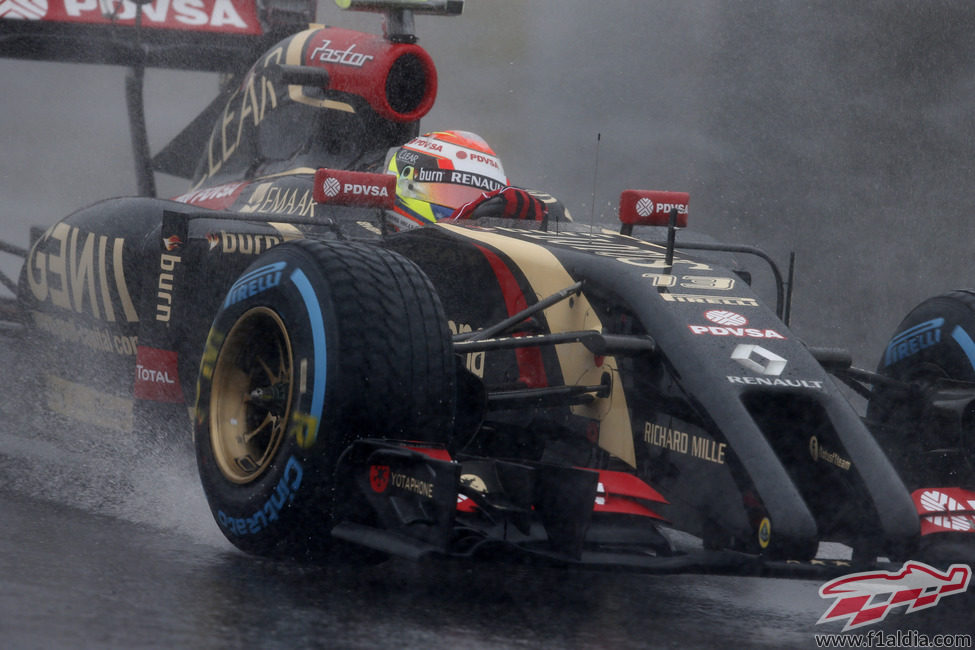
418 502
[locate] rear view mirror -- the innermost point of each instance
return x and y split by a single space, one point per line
652 208
342 187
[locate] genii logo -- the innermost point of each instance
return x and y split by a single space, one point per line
866 598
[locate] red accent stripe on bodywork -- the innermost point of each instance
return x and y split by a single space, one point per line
436 453
531 370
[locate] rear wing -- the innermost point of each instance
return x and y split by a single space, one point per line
224 36
203 35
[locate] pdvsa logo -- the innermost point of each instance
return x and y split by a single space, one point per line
364 190
480 158
644 207
730 323
722 317
206 15
740 332
23 9
429 145
667 207
331 187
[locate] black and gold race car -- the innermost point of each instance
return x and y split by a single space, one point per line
480 388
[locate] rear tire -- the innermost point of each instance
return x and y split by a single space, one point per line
317 344
935 341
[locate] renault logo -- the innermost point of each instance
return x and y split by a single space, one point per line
758 359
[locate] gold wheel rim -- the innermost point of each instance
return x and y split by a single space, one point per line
251 395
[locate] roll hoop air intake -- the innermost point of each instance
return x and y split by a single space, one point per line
398 80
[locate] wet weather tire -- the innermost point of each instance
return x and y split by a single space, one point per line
935 341
316 344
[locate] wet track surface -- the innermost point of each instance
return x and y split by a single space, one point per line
106 541
72 578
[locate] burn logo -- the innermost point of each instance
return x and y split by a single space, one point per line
241 243
167 274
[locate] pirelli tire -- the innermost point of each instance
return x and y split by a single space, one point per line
316 344
935 341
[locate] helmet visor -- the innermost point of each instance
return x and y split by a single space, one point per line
451 195
449 188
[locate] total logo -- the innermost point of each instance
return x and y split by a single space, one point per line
730 323
156 375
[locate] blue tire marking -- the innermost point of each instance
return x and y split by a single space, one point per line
314 310
965 341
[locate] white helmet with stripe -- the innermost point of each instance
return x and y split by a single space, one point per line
439 172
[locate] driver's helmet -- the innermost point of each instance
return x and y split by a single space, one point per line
439 172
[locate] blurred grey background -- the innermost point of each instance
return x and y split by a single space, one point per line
842 131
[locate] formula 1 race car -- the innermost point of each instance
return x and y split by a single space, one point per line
478 388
